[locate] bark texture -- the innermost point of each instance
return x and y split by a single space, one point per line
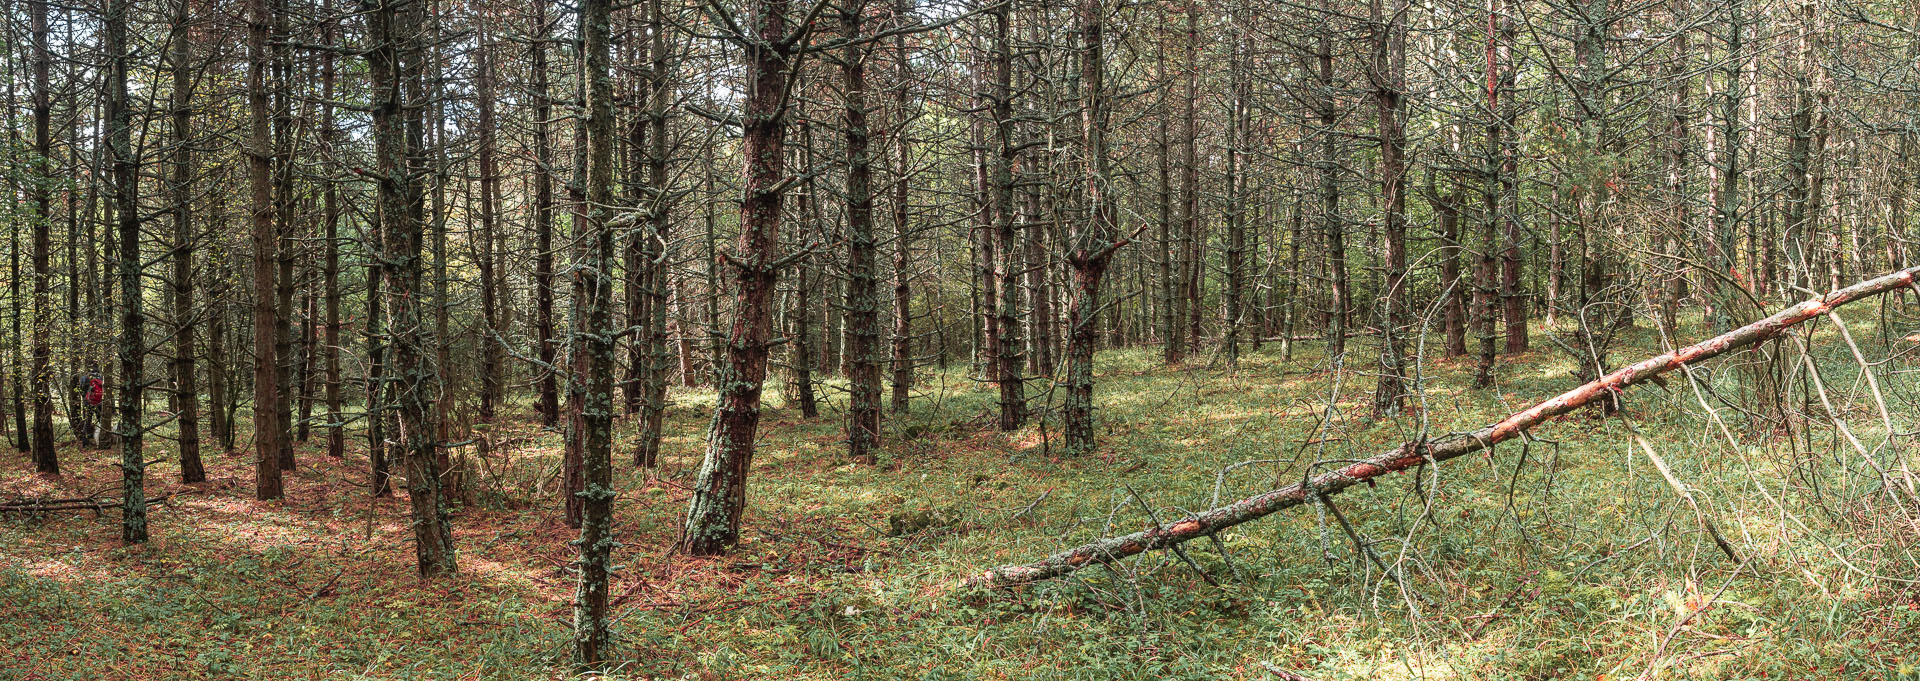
720 494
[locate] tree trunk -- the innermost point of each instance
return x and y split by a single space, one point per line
394 64
186 388
1328 166
45 462
330 264
1192 262
491 379
548 382
1679 175
1486 297
17 400
595 341
379 474
1727 304
1802 204
1092 242
14 401
863 283
1389 78
22 438
219 398
980 237
579 363
653 407
710 314
133 341
720 494
636 270
1238 120
1506 109
1290 317
266 370
1173 349
805 350
1556 269
901 355
1456 290
1896 236
281 172
1040 326
96 424
309 342
1007 363
441 383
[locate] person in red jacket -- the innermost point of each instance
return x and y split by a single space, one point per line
96 391
91 390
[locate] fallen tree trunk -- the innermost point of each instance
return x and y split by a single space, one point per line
96 504
1412 454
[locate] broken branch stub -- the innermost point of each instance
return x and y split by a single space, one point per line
1412 454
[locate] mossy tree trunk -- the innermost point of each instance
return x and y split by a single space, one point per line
1091 243
720 493
133 342
863 283
593 340
394 64
658 197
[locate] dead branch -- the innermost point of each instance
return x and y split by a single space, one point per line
1412 454
74 504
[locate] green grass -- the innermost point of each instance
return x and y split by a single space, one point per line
1566 558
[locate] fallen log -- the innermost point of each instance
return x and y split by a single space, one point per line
1411 454
96 504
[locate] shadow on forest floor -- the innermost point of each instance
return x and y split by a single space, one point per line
1570 559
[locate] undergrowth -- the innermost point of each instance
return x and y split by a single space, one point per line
1567 556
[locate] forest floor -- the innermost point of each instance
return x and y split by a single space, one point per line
1567 559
